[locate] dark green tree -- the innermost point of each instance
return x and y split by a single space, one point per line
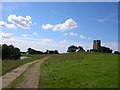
10 52
80 49
72 48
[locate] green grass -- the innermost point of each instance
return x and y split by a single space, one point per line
80 70
8 65
17 81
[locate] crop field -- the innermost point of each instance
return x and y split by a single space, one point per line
80 70
8 65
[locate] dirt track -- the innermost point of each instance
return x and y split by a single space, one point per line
32 76
29 75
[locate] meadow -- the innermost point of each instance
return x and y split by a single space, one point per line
80 70
8 65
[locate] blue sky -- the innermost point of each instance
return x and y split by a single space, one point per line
58 25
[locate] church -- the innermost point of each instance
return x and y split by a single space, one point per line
98 48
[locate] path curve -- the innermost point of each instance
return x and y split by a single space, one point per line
12 75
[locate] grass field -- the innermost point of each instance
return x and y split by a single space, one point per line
8 65
80 70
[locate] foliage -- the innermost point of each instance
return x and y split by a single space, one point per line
105 50
32 51
75 48
51 52
10 52
116 52
80 49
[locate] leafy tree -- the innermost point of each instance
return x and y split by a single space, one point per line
56 52
51 52
116 52
32 51
72 48
105 50
10 52
80 49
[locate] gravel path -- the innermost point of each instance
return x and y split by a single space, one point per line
32 76
12 75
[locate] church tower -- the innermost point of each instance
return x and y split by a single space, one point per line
96 44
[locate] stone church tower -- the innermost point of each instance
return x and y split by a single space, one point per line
96 45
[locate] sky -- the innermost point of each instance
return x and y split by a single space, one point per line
58 25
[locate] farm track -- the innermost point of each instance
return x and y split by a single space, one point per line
32 76
12 75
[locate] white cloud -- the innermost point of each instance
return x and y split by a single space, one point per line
46 40
100 20
83 37
47 26
22 22
24 35
107 18
63 41
73 34
4 35
35 23
66 34
35 33
68 24
89 38
10 26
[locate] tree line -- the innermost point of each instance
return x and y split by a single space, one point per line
33 51
103 49
11 52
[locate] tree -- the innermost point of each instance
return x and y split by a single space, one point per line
72 48
0 52
56 52
105 50
80 49
10 52
116 52
32 51
51 52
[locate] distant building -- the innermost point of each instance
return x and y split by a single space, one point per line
96 44
98 48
